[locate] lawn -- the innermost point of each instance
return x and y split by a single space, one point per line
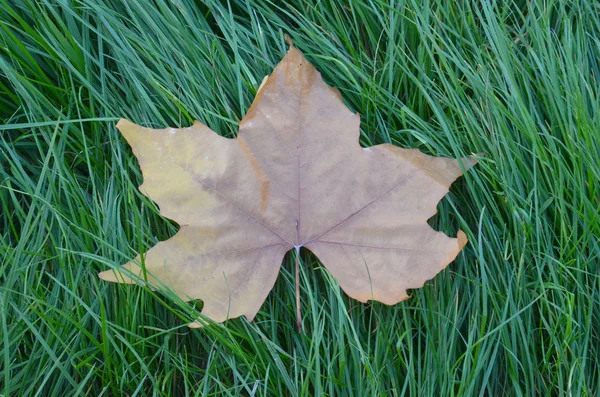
517 313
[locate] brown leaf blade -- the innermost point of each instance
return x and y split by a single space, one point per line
295 176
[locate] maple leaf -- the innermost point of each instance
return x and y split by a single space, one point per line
294 177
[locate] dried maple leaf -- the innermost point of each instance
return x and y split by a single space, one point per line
294 177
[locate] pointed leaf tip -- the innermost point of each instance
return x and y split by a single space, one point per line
288 40
122 123
462 239
195 325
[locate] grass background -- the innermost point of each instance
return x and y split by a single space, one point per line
518 312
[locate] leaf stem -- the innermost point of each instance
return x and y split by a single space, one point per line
298 312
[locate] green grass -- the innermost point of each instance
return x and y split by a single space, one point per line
518 312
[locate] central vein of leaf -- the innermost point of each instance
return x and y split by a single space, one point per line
300 127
